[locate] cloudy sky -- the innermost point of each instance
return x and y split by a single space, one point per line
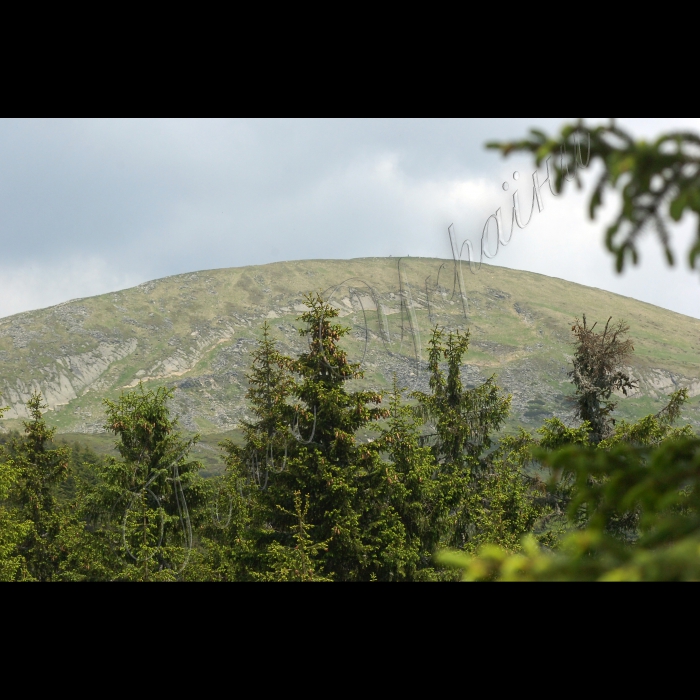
90 206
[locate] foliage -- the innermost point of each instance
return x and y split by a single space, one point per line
597 372
46 474
37 471
305 498
663 483
554 433
234 540
504 503
464 421
230 529
297 561
267 438
14 529
144 503
658 181
653 429
409 493
324 463
82 472
632 503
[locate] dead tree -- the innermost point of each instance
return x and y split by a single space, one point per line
599 361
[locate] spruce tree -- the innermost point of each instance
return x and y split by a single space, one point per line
504 503
39 470
296 561
409 489
231 528
464 421
598 370
14 527
237 539
145 503
266 437
324 463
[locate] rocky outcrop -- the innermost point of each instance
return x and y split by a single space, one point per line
179 332
67 378
659 383
183 360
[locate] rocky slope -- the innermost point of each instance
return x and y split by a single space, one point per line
195 332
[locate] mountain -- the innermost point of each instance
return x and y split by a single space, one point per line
195 331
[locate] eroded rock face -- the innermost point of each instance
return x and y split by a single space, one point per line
67 378
184 360
195 333
659 383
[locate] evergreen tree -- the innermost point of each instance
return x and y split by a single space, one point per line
230 530
38 472
237 542
464 421
632 502
661 484
14 528
324 464
408 491
654 428
505 502
598 370
267 437
82 471
296 561
145 502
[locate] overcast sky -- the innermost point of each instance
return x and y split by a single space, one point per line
90 206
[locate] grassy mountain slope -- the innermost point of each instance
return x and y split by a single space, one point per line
194 332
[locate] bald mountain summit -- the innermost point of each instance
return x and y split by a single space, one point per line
194 333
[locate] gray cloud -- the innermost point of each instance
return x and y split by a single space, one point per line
87 206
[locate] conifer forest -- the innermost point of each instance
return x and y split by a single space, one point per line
329 480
